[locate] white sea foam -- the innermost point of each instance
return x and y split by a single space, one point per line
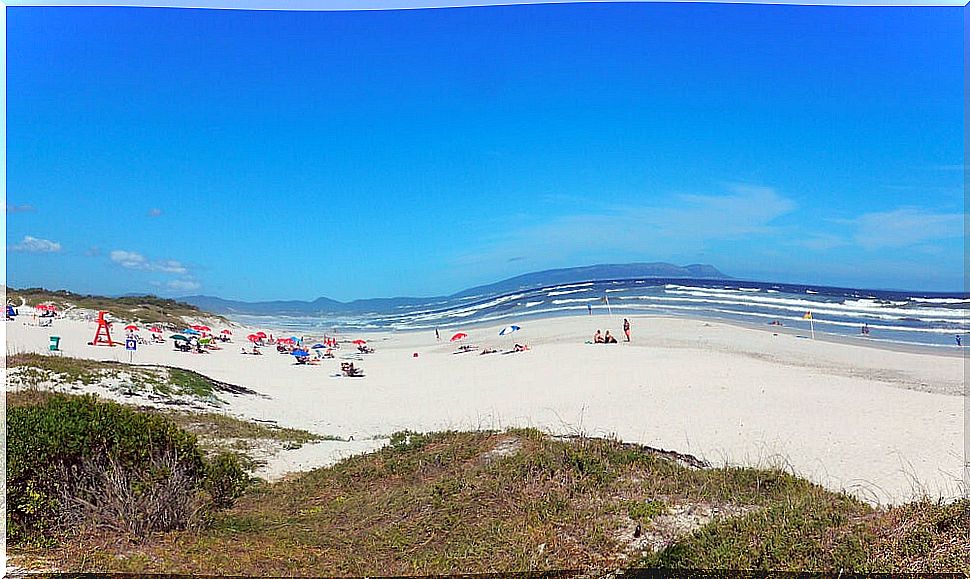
574 301
566 292
568 286
848 308
940 300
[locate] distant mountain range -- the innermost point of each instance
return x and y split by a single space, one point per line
550 277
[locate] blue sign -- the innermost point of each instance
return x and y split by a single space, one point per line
131 344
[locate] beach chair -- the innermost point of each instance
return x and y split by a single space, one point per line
55 345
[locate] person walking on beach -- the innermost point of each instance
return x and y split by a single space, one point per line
589 308
959 343
437 336
626 328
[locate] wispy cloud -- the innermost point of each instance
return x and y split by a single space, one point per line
684 225
25 208
154 212
183 285
135 260
906 226
821 241
36 245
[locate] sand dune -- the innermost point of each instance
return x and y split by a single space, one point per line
878 422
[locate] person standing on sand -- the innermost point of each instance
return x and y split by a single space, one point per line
437 336
590 309
626 328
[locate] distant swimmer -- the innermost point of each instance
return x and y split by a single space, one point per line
865 329
958 341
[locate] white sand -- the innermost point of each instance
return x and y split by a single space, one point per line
880 423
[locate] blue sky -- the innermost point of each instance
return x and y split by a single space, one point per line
289 155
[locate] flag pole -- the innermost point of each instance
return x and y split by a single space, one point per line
608 308
812 323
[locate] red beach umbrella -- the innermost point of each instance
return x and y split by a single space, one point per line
261 334
359 342
459 336
253 338
155 330
227 332
131 328
204 329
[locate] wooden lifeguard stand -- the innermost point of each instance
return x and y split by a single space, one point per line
103 336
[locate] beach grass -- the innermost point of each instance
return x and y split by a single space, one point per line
521 500
145 309
33 370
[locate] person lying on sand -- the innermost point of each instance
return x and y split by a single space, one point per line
520 348
487 351
349 370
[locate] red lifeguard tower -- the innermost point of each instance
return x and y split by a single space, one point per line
103 336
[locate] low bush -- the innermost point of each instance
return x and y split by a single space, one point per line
82 461
226 479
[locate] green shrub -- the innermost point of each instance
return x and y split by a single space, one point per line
407 440
226 479
60 450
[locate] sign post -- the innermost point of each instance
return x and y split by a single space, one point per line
131 345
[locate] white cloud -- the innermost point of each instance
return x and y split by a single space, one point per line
37 245
168 266
906 226
134 260
129 259
183 285
683 226
25 208
154 212
821 241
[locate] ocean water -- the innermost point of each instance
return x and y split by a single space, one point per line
913 318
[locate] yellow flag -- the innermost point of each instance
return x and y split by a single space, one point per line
807 316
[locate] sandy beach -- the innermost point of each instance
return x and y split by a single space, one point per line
881 423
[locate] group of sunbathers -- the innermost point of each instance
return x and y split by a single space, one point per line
599 338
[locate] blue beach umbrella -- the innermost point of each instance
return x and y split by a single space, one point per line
300 353
317 346
190 331
508 330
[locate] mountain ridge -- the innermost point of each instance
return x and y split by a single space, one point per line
325 305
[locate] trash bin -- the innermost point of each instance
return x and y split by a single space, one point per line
55 343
